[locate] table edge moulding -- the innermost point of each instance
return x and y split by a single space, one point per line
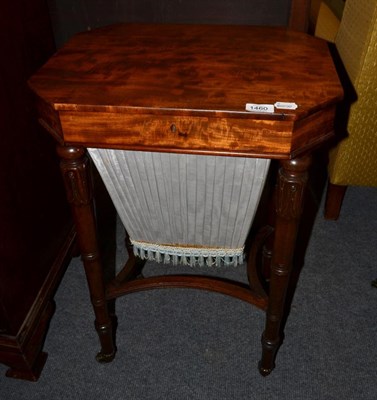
184 89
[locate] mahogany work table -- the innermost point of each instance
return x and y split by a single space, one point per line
184 89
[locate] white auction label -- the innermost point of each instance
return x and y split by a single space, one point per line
282 105
261 108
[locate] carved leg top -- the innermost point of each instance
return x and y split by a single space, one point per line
292 180
74 164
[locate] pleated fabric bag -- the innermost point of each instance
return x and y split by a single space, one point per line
184 209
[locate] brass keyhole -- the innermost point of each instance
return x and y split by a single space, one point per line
174 129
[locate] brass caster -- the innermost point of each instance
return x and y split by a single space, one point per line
105 358
265 371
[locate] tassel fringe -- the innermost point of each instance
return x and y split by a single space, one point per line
192 256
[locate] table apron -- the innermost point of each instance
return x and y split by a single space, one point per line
177 133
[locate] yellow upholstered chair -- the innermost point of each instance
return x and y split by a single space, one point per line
354 159
325 18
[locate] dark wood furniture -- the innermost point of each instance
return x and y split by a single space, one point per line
334 200
126 86
36 227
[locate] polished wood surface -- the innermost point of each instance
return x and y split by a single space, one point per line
183 89
190 93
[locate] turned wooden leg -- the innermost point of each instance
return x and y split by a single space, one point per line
289 199
334 199
75 168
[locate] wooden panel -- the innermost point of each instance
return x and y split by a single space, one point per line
310 132
191 135
299 16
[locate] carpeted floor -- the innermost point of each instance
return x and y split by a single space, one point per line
187 344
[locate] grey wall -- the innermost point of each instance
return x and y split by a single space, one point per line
71 16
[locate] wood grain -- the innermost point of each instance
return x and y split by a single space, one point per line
118 78
178 134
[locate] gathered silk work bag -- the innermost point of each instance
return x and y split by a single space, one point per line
184 209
